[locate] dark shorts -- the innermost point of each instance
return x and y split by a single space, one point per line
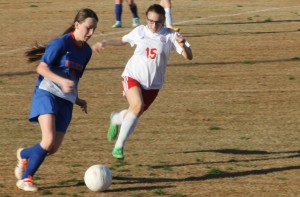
148 95
44 102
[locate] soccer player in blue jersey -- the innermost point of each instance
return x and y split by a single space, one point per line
62 63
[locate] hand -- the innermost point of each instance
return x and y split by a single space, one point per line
82 103
180 40
67 86
99 46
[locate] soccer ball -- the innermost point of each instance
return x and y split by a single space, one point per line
98 177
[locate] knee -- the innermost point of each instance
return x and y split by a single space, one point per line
137 109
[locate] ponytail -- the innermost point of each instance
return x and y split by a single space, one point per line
36 52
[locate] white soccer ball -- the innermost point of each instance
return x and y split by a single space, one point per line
98 177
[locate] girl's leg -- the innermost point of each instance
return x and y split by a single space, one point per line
118 13
136 105
134 12
38 152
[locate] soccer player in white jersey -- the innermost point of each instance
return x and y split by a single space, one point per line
144 73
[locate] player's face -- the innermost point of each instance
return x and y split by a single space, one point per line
154 21
84 31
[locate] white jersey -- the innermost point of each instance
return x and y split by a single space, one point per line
148 63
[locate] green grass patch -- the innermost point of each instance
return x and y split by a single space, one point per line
167 168
199 160
136 195
177 195
248 62
292 78
214 170
159 192
215 128
72 181
283 178
268 20
46 192
76 165
244 138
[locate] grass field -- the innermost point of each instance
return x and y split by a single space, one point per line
226 123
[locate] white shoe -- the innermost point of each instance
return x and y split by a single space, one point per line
26 185
21 165
135 22
118 24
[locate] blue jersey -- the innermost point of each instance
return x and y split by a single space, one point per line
65 58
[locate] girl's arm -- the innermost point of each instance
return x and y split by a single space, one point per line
186 51
113 42
66 85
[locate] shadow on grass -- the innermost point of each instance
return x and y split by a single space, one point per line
193 35
295 154
126 189
134 180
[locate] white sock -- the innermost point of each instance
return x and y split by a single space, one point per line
126 129
118 117
169 20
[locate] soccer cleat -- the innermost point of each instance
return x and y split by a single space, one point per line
118 153
21 165
135 22
118 24
175 28
26 185
112 130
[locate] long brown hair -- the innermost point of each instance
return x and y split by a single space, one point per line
37 51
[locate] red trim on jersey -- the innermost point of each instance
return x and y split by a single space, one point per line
75 42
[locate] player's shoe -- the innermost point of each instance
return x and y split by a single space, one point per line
118 153
112 130
118 24
135 22
26 185
21 165
175 28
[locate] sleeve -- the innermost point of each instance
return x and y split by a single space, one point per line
53 52
176 45
132 36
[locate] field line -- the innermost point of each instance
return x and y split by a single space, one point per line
237 90
177 23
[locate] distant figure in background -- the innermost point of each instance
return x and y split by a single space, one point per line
118 12
169 21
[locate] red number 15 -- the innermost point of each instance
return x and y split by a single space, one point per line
151 53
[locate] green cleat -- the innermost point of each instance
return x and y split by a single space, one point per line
112 130
118 153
